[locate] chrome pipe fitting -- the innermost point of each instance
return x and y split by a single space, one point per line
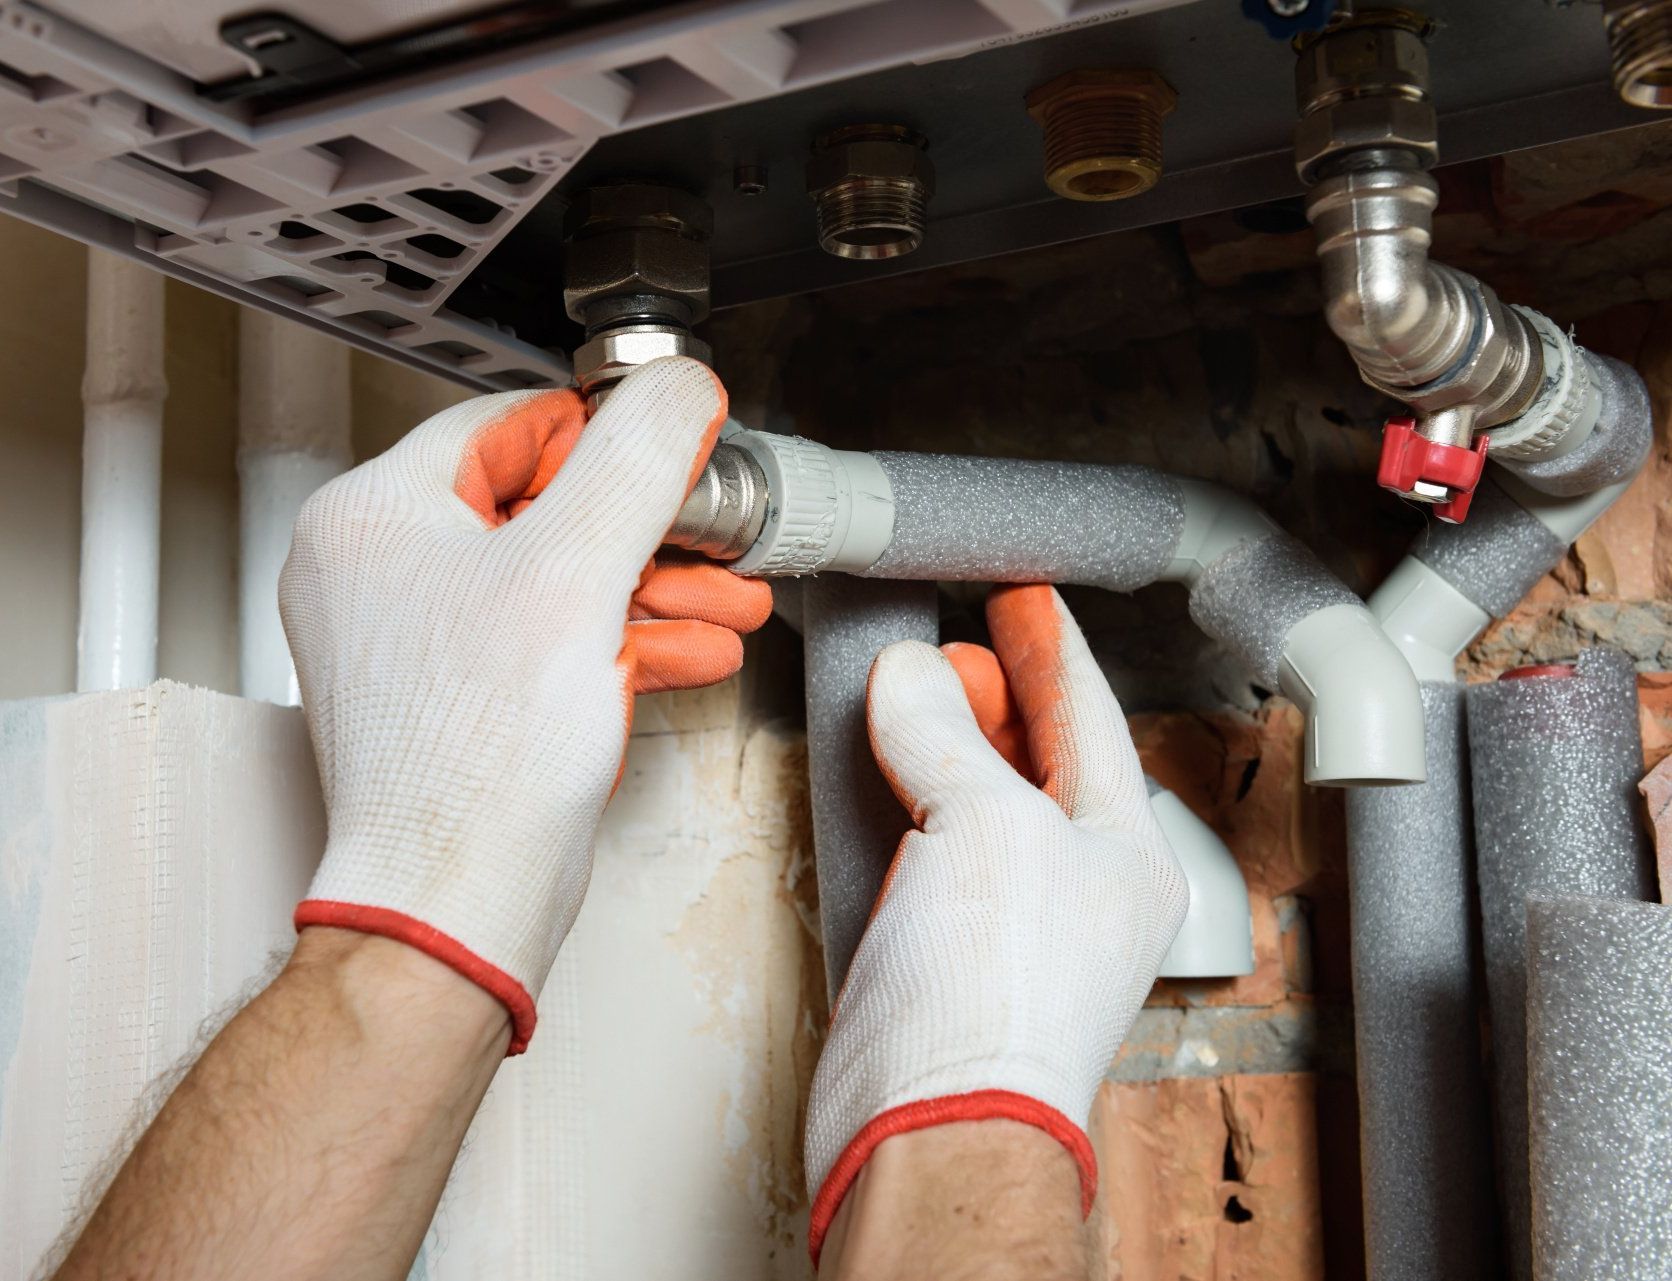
725 512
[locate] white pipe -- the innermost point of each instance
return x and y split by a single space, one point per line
1217 937
293 436
122 392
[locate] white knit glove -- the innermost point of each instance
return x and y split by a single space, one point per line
458 610
1019 929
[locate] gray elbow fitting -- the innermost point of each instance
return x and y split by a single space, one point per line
1363 709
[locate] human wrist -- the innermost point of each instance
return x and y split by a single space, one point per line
986 1200
835 1174
394 994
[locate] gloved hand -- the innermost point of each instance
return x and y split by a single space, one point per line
470 615
1021 926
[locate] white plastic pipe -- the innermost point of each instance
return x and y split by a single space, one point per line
293 436
1217 937
122 392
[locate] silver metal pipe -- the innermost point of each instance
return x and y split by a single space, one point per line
1426 334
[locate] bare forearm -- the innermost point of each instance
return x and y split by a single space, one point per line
314 1136
973 1201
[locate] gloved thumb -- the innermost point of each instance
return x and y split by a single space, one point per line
926 738
619 490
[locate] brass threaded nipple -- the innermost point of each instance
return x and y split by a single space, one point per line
871 186
1102 132
1640 45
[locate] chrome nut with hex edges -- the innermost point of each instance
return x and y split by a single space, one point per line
607 358
1364 84
636 249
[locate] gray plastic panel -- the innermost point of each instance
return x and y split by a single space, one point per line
364 210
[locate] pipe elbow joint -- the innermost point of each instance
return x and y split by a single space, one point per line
1363 708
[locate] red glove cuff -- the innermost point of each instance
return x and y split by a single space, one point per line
979 1105
432 942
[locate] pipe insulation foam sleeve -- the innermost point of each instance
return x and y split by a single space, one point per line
1007 520
1496 556
1599 1021
1425 1148
1615 445
1555 761
1253 588
857 821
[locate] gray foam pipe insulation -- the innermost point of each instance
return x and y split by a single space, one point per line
807 510
1425 1147
857 822
1599 1020
1555 762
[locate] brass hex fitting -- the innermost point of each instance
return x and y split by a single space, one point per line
636 251
1640 43
1102 131
871 186
1363 84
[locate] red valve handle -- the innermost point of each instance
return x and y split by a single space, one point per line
1408 458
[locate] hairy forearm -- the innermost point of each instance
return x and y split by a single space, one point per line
313 1137
973 1201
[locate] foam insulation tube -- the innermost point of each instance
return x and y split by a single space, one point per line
857 821
1555 761
1425 1151
928 517
1427 1164
293 436
122 391
1600 1086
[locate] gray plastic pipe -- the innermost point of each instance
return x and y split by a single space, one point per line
857 821
1425 1148
801 508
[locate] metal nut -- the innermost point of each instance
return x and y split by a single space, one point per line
637 239
637 204
1364 84
1361 123
1380 53
606 359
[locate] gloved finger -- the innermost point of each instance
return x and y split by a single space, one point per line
1077 737
483 458
925 736
992 702
683 585
618 492
681 654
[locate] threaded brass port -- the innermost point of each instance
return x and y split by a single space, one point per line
1640 42
870 186
1102 132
